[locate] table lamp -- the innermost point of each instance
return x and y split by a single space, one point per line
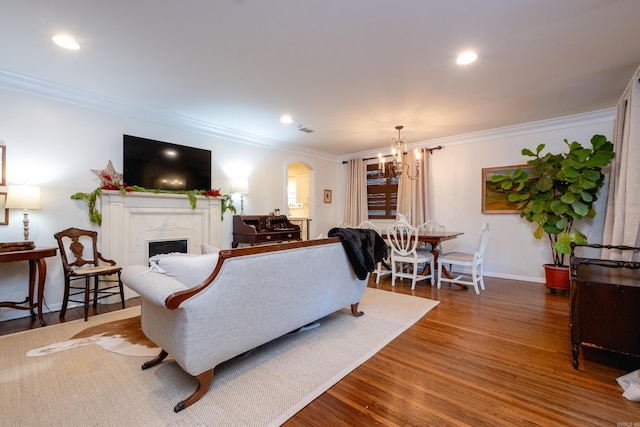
240 186
23 197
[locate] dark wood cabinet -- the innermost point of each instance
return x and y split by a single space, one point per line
605 305
263 229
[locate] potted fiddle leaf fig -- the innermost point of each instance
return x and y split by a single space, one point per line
560 192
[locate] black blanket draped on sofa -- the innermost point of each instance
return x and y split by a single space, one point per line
365 248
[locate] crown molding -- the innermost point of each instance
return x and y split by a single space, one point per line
566 122
41 88
37 87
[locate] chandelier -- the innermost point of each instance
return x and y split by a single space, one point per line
397 167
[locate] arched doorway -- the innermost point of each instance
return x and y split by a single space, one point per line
300 195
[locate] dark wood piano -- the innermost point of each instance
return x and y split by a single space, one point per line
263 229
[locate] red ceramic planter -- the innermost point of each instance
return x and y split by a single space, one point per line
557 277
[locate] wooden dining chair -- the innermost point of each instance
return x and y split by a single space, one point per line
82 261
403 241
473 260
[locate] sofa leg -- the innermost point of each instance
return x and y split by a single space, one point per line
204 381
354 310
153 362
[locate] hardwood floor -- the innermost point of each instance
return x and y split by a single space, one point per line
501 358
52 318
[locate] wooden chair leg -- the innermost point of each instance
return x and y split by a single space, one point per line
96 282
204 382
121 290
65 299
87 291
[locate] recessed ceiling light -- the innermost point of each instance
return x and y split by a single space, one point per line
66 42
466 58
286 119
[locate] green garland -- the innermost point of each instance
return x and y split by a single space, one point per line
96 217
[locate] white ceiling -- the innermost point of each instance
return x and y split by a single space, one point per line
351 70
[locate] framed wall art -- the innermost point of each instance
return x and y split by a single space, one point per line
494 198
3 167
4 212
327 196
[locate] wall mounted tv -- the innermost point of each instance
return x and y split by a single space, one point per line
165 166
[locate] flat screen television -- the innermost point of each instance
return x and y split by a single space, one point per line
165 166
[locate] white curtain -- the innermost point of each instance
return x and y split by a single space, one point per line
356 209
413 195
622 217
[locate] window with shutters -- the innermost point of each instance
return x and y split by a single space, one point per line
382 194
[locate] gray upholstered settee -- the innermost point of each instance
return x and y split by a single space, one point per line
252 296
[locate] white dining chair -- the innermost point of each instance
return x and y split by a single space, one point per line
344 224
474 260
404 217
379 271
403 241
431 227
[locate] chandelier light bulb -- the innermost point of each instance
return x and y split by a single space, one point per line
397 167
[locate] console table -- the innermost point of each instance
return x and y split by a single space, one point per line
262 229
605 304
37 265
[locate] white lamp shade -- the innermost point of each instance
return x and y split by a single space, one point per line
23 197
240 186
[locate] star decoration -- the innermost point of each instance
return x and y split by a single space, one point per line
109 178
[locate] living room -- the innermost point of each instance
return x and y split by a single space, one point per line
63 167
55 136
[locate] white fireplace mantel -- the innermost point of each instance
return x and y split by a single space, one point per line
130 221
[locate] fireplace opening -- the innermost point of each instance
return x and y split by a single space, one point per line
167 247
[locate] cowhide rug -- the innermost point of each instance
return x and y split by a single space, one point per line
121 336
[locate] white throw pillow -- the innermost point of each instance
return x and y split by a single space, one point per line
188 269
208 249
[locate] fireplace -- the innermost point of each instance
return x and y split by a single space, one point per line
131 221
167 247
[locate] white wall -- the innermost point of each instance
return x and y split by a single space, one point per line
55 145
456 177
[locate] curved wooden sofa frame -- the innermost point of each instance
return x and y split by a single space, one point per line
174 301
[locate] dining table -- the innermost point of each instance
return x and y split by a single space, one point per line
435 238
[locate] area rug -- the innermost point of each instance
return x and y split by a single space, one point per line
92 387
122 336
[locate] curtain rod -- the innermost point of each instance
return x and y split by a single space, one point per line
429 150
